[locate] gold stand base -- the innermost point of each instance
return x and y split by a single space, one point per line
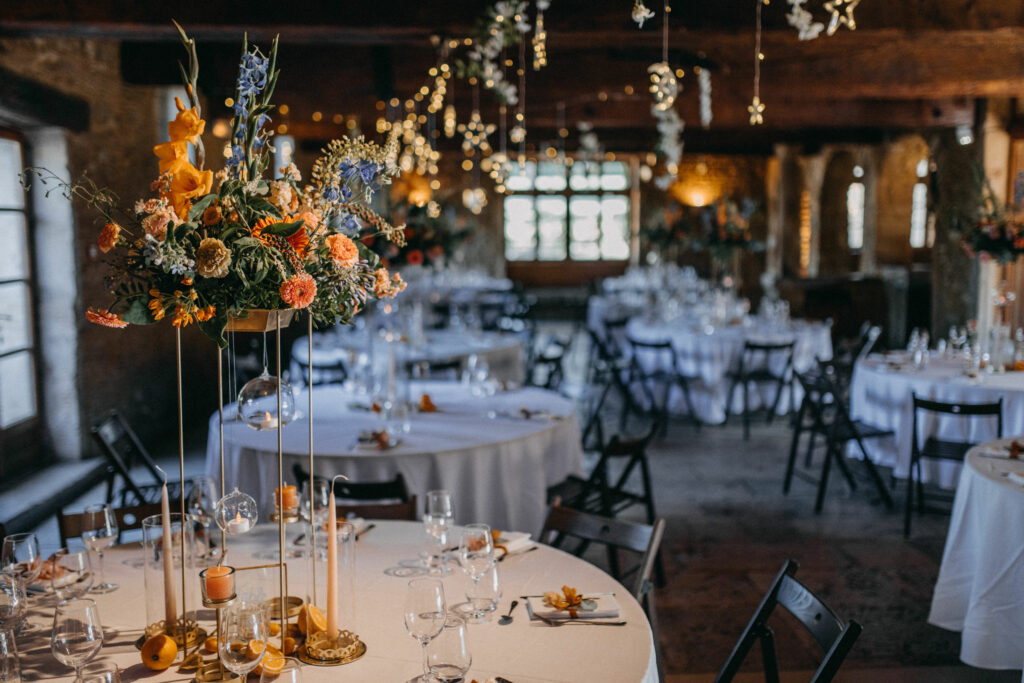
318 650
213 672
292 606
290 517
189 637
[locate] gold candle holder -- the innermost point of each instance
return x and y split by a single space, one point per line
218 585
322 650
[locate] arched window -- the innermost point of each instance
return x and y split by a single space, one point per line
919 208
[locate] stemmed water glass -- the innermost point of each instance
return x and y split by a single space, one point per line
243 631
20 558
99 532
77 634
437 520
72 574
425 614
201 503
13 602
476 555
448 656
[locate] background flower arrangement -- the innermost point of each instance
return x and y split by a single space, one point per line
999 233
193 253
432 236
725 230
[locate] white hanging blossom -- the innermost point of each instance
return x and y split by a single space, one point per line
641 13
704 81
803 21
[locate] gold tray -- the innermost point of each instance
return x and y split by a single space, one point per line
260 320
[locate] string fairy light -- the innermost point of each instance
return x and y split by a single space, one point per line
842 15
756 108
540 37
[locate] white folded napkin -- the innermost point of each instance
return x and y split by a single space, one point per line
1016 478
994 451
514 541
358 523
607 608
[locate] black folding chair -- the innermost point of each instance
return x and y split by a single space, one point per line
755 366
833 636
123 451
334 372
934 448
654 371
823 412
362 491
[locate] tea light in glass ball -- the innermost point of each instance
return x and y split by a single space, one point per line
236 513
257 403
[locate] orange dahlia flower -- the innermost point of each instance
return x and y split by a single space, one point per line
343 250
298 290
108 237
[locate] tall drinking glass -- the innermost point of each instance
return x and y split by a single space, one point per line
448 656
243 637
425 614
10 666
13 602
201 501
437 520
77 634
476 555
72 574
99 532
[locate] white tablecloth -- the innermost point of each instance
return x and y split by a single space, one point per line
502 352
709 353
498 469
978 591
523 652
880 395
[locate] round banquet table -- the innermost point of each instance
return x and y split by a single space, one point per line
710 352
978 591
523 652
502 352
880 395
497 464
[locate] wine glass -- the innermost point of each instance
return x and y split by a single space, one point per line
201 502
71 576
425 614
20 557
482 596
476 555
13 602
99 532
436 521
10 666
448 656
243 637
77 634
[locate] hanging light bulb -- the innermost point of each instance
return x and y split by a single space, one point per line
257 402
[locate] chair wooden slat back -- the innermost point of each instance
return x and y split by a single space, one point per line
123 450
832 635
368 491
71 525
639 538
405 511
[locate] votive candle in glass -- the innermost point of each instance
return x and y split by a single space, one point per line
218 583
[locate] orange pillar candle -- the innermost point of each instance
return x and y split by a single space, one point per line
289 500
219 582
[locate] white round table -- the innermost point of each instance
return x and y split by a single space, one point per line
523 652
978 591
496 463
880 395
502 352
709 352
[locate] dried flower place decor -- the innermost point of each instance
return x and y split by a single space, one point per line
199 253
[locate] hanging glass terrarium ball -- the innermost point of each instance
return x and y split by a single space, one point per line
257 402
236 512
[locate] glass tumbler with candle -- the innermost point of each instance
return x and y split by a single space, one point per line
346 562
218 585
162 566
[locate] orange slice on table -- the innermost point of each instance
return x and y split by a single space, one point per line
311 620
272 662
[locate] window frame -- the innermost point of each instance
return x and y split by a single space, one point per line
567 193
20 443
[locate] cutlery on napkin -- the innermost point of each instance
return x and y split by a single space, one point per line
606 608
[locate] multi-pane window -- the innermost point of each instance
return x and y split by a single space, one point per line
855 215
558 212
17 352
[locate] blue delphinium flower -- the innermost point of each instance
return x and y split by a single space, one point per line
263 120
347 169
331 194
237 156
252 73
350 225
346 193
368 171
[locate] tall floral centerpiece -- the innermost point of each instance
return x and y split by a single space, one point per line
726 235
208 247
